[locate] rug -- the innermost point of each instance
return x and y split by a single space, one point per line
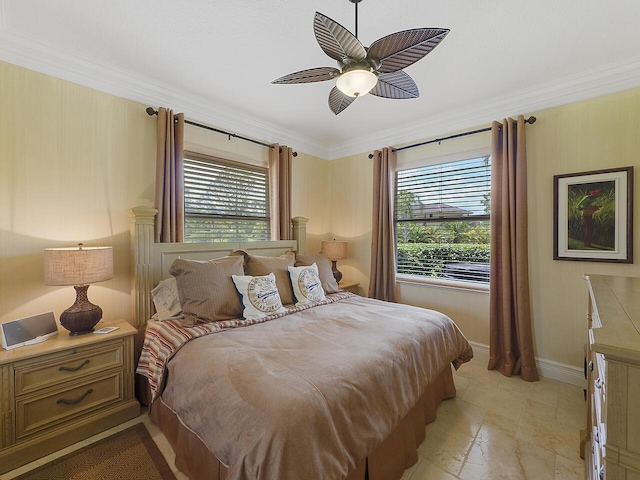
128 455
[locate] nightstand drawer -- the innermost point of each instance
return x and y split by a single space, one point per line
39 411
69 365
64 390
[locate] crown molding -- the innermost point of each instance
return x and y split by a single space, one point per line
34 55
30 53
590 84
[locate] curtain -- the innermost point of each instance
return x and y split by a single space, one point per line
511 342
383 253
169 226
280 159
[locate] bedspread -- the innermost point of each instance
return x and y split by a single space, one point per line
309 395
163 339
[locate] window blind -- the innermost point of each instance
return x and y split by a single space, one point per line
442 219
225 201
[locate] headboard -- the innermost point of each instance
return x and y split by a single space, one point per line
150 261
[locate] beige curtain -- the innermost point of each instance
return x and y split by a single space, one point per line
280 159
511 343
382 282
169 225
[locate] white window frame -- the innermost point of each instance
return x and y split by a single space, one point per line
435 281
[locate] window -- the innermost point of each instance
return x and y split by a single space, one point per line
225 201
442 220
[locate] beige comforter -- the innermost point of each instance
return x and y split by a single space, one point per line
309 395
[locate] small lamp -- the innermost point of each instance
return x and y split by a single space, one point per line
334 251
78 266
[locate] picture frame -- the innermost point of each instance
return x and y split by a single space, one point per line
593 216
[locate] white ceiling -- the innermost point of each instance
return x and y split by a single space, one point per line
214 60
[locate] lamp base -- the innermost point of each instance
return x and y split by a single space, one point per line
337 274
82 316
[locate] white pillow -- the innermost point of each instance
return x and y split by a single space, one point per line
166 299
306 284
260 297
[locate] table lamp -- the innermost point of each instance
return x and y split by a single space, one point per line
334 251
78 266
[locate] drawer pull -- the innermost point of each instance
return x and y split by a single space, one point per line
73 402
601 473
598 383
73 369
598 437
591 366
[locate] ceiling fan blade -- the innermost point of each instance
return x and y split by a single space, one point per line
401 49
396 85
338 101
319 74
336 41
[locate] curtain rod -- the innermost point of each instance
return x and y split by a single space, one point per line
530 120
151 112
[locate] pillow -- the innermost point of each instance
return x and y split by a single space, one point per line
306 284
257 265
260 295
329 284
166 299
205 287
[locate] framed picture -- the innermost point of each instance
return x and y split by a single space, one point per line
593 216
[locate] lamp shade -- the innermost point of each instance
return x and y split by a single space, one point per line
357 82
334 250
77 265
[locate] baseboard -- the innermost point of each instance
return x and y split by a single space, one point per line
546 368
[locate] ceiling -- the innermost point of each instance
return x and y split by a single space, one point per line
214 60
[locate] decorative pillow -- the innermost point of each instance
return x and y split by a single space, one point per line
260 295
329 284
206 289
166 299
306 284
258 265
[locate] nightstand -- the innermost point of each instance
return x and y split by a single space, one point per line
64 390
349 286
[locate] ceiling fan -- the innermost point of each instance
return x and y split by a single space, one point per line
376 70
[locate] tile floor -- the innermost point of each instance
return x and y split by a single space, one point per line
476 436
504 428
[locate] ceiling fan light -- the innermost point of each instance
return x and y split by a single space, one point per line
356 83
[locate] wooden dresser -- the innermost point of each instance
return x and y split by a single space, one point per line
612 438
64 390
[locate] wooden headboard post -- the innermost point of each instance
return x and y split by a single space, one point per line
142 239
300 233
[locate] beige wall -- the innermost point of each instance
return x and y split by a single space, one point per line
595 134
72 162
350 194
599 133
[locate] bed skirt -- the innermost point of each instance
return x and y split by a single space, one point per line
387 462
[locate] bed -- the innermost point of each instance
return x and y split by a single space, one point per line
339 387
